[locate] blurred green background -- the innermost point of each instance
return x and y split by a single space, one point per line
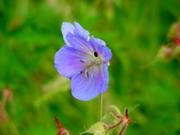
133 29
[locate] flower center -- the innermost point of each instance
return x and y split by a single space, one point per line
94 63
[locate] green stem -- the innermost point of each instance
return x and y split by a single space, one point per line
101 106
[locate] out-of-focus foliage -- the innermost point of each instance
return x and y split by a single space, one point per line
135 30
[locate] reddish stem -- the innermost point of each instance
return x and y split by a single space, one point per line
115 125
123 130
124 120
117 116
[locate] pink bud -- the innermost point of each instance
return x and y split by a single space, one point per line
177 41
165 53
7 94
174 33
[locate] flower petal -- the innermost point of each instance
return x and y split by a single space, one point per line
98 41
65 29
79 43
75 29
88 87
104 78
69 61
106 52
81 31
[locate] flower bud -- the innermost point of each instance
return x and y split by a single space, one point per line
174 33
165 53
177 41
7 94
98 128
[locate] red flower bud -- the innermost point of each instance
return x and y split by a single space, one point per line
177 41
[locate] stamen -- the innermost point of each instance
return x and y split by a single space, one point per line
86 73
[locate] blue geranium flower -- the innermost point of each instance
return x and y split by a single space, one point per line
84 60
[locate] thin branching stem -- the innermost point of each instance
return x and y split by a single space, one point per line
115 125
122 131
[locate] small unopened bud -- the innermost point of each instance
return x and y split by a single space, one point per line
124 121
98 128
174 33
165 53
174 30
177 41
7 94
